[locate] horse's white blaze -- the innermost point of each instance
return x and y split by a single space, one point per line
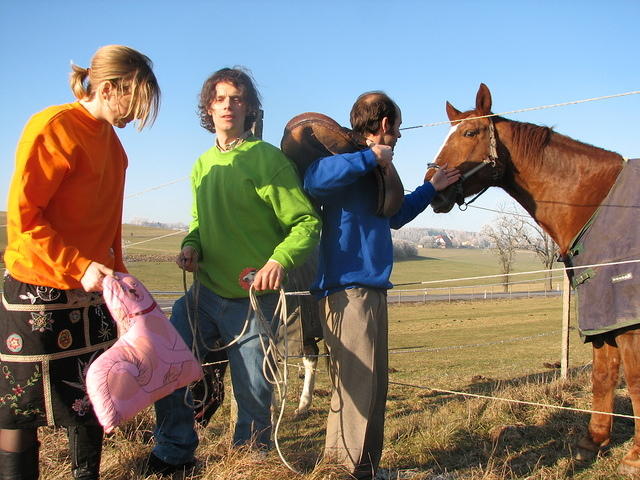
451 130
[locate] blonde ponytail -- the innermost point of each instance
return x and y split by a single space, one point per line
77 80
122 66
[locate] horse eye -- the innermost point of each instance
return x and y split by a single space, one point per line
471 133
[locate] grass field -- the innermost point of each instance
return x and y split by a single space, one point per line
498 349
494 348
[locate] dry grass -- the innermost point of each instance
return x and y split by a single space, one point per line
430 435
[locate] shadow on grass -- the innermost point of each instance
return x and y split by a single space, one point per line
417 258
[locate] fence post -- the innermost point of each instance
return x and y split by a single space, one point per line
566 311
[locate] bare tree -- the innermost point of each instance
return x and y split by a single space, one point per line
534 238
505 236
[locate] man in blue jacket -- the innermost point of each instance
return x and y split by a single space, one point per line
356 257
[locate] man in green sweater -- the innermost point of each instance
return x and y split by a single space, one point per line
251 223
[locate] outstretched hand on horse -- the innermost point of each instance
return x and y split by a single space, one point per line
444 177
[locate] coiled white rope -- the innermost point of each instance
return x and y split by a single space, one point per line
272 356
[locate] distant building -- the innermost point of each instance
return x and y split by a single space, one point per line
442 241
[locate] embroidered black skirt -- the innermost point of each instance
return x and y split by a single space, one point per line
48 339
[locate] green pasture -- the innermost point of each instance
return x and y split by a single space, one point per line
446 345
150 252
138 240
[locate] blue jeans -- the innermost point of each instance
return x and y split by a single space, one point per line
219 318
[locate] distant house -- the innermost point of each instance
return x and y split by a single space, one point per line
442 241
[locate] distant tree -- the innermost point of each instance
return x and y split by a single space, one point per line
505 235
403 250
534 238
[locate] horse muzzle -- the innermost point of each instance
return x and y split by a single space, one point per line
444 201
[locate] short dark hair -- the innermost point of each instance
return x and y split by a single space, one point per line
238 77
369 110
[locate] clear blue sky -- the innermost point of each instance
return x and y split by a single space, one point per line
318 56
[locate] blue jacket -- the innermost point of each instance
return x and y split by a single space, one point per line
355 244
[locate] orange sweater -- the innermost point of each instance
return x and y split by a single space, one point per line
65 200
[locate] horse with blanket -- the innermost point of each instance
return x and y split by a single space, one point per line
586 198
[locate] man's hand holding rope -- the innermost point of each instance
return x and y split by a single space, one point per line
188 259
269 277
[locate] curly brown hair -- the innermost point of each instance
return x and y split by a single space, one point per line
239 77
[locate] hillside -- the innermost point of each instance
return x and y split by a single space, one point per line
427 237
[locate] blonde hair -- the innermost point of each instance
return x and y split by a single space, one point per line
127 69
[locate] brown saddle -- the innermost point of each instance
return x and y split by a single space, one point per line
310 136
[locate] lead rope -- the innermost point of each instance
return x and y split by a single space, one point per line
271 370
197 336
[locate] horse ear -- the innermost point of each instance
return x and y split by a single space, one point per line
452 112
483 100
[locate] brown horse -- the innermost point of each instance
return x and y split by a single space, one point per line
560 182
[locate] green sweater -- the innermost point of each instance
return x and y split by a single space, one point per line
248 207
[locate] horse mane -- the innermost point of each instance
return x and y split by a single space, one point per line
528 140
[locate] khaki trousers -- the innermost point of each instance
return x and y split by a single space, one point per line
355 325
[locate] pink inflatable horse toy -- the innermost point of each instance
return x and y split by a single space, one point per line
149 361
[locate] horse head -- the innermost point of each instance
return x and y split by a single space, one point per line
470 146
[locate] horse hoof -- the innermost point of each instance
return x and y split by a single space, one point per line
587 450
630 463
585 455
628 469
300 414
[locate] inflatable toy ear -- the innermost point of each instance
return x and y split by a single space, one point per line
310 136
148 362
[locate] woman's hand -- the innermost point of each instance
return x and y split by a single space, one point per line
91 281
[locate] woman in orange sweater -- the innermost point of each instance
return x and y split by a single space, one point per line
64 227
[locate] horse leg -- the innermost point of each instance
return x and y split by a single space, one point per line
629 345
604 377
310 362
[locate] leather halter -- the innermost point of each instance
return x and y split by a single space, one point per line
491 159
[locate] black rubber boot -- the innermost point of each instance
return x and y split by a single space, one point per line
20 465
85 447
